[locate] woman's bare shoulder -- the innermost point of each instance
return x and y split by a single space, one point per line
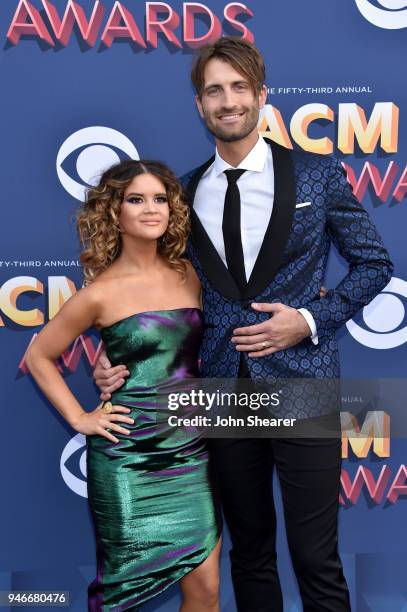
102 289
89 296
97 293
192 276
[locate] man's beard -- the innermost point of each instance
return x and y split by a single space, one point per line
250 123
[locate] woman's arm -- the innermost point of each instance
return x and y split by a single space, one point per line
78 314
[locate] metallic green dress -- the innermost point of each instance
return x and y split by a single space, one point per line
151 496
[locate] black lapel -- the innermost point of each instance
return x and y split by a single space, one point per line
270 256
271 252
209 258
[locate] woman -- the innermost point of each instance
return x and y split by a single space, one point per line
150 495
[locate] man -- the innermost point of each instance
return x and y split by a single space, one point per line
263 219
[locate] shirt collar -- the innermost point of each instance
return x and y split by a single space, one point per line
255 160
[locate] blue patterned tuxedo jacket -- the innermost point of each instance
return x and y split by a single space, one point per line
290 268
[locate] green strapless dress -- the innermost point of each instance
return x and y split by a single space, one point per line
151 497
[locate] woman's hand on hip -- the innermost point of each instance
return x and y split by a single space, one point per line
98 421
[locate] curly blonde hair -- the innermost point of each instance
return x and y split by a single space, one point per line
98 219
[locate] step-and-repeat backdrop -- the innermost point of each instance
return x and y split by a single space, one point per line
89 82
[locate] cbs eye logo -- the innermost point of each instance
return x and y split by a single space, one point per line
75 446
390 15
384 317
99 148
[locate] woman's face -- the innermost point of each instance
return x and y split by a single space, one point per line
144 211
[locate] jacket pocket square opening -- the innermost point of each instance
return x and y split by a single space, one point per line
302 204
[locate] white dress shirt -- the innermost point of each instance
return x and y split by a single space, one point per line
256 188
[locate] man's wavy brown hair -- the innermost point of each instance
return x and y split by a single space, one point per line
98 220
241 54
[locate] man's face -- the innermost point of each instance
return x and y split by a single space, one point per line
228 104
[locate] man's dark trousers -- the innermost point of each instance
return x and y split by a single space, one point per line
309 473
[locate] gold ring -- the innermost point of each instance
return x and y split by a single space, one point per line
107 407
264 344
